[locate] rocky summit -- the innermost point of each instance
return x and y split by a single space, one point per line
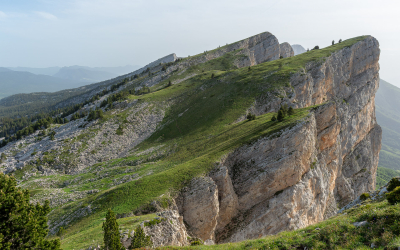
236 143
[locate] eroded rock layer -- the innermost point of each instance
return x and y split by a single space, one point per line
302 174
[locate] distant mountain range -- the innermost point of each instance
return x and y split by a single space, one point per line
18 80
298 49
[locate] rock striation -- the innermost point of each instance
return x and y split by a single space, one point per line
302 174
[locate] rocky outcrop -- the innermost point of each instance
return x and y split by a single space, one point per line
199 206
302 174
170 231
286 50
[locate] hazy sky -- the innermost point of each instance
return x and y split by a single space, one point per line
43 33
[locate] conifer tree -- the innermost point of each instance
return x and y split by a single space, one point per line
140 239
111 232
290 111
273 118
22 225
280 115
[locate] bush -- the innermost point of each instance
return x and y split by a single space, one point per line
196 243
273 118
212 75
250 116
333 42
119 130
169 83
394 196
316 47
364 196
393 183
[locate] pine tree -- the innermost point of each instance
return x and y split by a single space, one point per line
290 111
22 225
273 118
333 42
140 239
280 115
169 83
111 232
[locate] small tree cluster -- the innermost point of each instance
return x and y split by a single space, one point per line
251 116
52 134
283 112
95 114
140 239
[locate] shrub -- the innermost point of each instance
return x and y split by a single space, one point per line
250 116
333 42
119 130
140 239
364 196
394 196
316 47
249 68
393 183
273 118
169 83
340 40
195 243
164 68
212 75
280 57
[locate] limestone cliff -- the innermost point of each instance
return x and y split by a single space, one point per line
301 175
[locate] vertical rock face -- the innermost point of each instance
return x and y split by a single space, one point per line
302 174
286 50
171 230
200 207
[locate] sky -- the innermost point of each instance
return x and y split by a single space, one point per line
109 33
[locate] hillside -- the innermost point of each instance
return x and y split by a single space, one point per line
388 116
15 82
174 137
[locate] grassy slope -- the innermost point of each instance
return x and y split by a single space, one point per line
198 129
336 233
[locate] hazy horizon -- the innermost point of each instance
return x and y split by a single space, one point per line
104 33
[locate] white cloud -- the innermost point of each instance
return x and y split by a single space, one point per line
46 15
2 14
